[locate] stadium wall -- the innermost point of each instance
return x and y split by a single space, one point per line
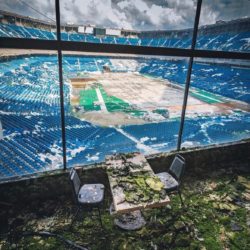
12 18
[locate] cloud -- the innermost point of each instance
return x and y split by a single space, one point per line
208 15
132 14
98 12
44 10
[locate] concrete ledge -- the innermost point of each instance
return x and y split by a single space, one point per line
209 158
200 161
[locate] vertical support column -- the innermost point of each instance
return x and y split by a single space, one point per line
59 54
189 72
1 130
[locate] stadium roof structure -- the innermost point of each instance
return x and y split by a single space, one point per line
27 18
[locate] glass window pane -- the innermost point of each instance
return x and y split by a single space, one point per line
30 128
224 25
28 19
142 22
118 104
221 113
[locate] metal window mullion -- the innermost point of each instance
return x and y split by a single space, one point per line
27 43
58 45
60 71
189 72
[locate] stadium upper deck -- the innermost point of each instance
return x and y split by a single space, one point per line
226 36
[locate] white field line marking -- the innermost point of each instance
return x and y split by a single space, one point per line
101 101
139 145
197 93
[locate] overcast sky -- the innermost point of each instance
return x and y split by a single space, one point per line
131 14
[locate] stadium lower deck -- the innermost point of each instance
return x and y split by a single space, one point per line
30 111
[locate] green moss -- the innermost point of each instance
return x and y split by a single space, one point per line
241 240
224 219
34 243
199 226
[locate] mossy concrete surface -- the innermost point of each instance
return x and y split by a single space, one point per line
217 213
216 216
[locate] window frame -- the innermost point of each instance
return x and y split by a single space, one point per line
60 45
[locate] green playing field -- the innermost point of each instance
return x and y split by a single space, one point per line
88 98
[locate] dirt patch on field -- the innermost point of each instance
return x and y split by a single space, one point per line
148 94
106 119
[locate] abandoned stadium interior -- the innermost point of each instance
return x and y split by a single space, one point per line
73 94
